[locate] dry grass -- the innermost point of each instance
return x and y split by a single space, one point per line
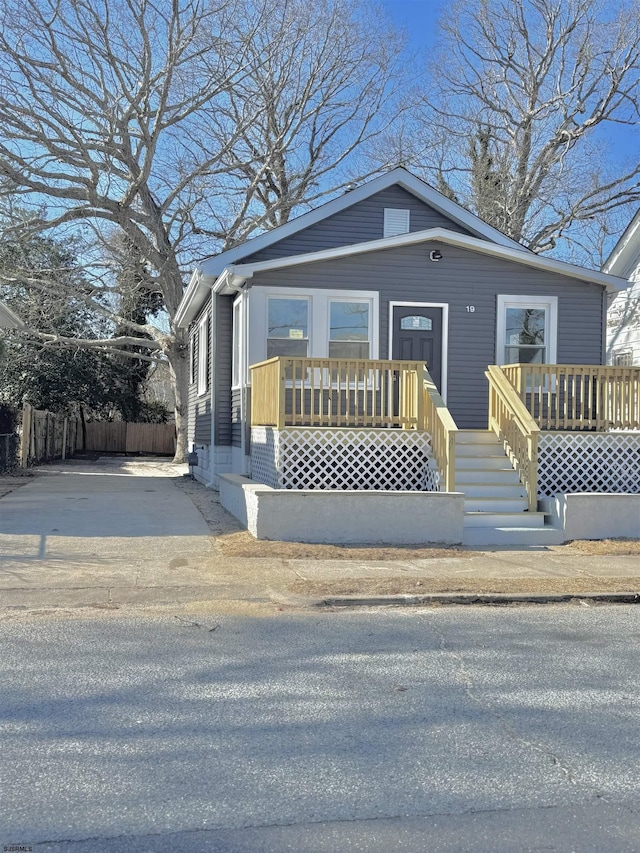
242 544
9 482
604 547
476 586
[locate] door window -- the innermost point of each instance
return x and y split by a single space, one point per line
417 322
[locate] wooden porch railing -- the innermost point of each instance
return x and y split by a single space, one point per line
323 392
442 428
513 424
578 396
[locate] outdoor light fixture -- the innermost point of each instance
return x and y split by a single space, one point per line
435 255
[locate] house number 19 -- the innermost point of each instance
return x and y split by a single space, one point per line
471 309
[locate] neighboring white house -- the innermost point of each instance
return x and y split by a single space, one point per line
623 317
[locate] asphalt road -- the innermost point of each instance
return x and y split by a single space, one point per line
458 729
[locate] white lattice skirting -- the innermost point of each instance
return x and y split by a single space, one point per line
374 459
583 462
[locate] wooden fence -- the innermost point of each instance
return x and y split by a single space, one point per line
121 437
46 436
8 451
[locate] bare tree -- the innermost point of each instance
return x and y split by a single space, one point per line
181 124
322 80
522 96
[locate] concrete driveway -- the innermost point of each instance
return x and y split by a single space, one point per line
118 531
114 529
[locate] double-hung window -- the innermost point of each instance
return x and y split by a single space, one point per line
349 329
311 323
287 327
527 329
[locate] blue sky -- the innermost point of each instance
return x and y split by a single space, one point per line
420 17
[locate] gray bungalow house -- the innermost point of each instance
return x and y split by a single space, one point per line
390 343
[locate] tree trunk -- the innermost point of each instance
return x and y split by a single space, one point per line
179 365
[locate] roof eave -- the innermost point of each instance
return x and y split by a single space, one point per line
612 283
626 251
195 294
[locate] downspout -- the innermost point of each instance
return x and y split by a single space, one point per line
233 282
214 383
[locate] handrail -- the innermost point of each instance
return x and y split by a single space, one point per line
510 419
579 396
441 426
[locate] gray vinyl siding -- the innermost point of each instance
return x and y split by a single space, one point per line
358 223
223 355
462 278
199 418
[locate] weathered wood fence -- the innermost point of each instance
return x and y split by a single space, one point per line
46 436
8 451
121 437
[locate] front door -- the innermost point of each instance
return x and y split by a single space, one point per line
417 336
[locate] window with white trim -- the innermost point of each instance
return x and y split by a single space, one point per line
311 322
204 334
396 221
622 358
287 326
527 330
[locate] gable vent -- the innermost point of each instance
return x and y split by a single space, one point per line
396 222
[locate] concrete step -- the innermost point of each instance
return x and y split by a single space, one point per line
477 518
495 504
467 476
478 537
492 490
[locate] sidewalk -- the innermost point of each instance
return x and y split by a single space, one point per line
129 532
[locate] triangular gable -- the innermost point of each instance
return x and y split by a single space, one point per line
467 222
626 253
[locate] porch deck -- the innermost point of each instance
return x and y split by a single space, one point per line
526 402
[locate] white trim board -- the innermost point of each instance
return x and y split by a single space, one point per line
444 355
235 275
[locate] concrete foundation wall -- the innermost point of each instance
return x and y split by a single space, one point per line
344 517
596 515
